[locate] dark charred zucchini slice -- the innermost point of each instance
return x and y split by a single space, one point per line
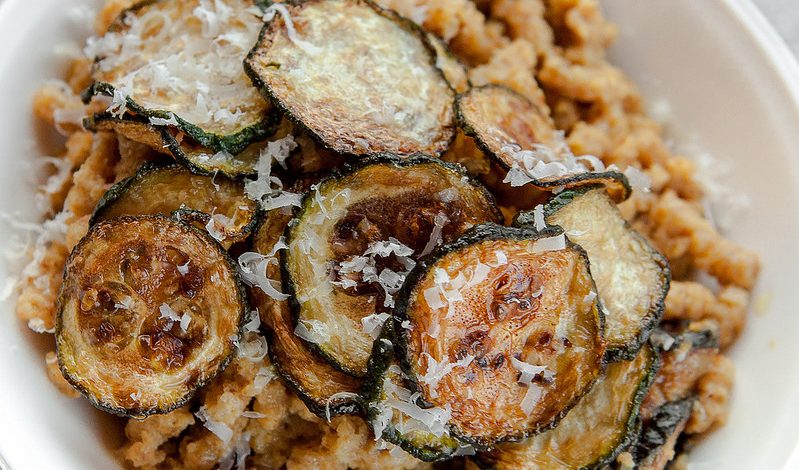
596 430
178 63
361 79
655 446
325 390
632 277
218 204
135 333
358 233
201 160
503 329
397 416
452 68
522 139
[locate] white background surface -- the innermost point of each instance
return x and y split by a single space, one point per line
784 15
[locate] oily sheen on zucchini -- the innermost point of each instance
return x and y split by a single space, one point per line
632 277
362 79
178 63
218 204
503 329
325 390
521 139
397 416
596 430
356 235
136 333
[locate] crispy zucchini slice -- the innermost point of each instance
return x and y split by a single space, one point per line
596 430
655 447
361 79
452 68
135 334
504 329
632 277
396 415
178 63
522 139
356 235
325 390
201 160
219 204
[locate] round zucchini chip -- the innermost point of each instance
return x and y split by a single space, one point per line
395 414
632 277
218 204
522 139
452 68
326 391
135 333
178 63
355 237
603 424
361 79
502 328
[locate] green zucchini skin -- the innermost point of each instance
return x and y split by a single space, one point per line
659 434
482 232
347 170
651 320
283 109
233 143
621 186
168 143
436 449
139 412
630 434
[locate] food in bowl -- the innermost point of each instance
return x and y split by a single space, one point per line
340 234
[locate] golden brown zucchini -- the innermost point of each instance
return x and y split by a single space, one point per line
325 390
178 63
218 204
356 235
452 68
522 139
603 424
504 329
135 333
361 79
632 277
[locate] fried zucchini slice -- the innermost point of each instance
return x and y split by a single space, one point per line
361 79
452 68
632 277
655 447
603 424
201 160
356 235
179 64
522 139
397 416
218 204
136 333
325 390
504 329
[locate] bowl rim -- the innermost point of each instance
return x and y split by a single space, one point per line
783 62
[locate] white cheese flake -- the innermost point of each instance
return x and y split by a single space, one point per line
373 324
555 243
219 429
437 370
538 218
313 331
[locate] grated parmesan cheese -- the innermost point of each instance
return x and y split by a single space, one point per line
373 324
538 218
542 245
437 370
219 429
534 391
439 222
313 331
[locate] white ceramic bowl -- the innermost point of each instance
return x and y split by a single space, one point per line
731 84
